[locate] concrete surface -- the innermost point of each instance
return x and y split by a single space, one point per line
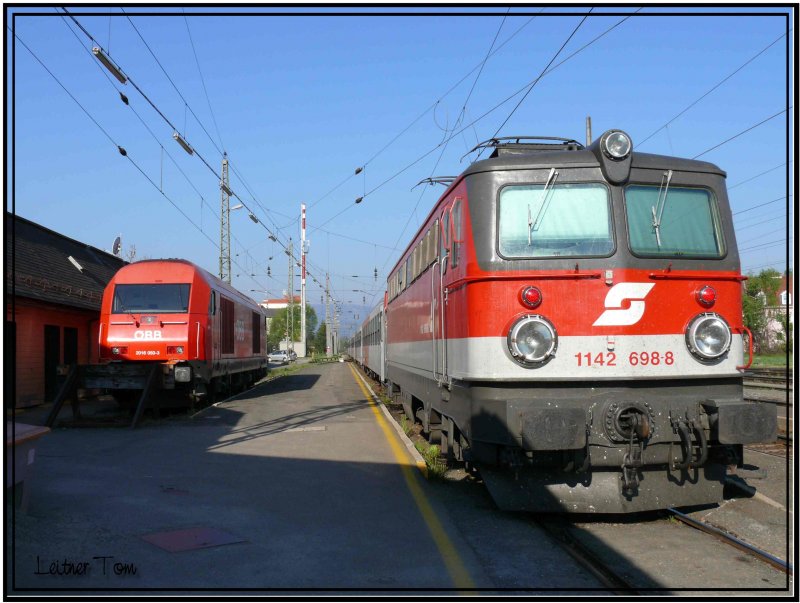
298 469
300 472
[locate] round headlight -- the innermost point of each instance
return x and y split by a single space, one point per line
617 145
532 340
708 336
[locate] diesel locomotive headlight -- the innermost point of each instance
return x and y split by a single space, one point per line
532 340
617 145
183 374
708 336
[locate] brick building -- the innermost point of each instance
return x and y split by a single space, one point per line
54 286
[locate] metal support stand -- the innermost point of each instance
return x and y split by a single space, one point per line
69 387
148 386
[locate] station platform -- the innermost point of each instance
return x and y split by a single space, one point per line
294 484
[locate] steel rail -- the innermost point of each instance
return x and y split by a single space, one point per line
733 541
587 559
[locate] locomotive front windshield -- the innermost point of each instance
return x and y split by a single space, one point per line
556 220
161 298
675 222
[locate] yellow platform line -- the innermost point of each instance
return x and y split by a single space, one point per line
455 566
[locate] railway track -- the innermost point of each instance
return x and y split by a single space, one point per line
560 532
731 540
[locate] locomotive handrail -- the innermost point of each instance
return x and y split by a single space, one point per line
683 276
494 142
744 367
174 322
126 322
543 275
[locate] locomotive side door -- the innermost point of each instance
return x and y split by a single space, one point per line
212 334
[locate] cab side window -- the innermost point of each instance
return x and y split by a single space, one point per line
456 227
444 239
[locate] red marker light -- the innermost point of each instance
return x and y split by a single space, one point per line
707 296
531 297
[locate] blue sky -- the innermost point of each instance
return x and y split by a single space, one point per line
299 102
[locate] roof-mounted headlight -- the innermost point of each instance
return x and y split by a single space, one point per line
616 145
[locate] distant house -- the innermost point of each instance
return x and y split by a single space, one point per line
54 287
786 292
775 331
272 306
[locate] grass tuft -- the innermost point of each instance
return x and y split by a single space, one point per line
437 467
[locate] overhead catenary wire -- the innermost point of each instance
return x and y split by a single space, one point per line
195 152
197 119
761 123
119 147
710 90
423 114
144 123
741 211
484 115
541 75
185 102
767 245
757 176
781 262
444 148
202 79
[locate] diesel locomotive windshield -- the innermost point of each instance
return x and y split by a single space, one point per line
550 220
161 298
673 222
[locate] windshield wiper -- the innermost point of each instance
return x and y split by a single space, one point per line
545 202
658 209
123 309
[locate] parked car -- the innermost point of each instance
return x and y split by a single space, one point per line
279 357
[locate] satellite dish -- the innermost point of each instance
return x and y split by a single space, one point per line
115 248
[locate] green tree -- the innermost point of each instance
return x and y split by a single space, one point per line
754 317
278 326
761 290
767 282
320 339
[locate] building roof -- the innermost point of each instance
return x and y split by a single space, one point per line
38 266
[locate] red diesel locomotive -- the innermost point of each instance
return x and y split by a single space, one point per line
569 320
205 335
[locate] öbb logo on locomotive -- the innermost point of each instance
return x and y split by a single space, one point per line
147 334
614 315
568 320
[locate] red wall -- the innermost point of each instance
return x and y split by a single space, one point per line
31 317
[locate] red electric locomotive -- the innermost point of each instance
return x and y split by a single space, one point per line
569 320
203 334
